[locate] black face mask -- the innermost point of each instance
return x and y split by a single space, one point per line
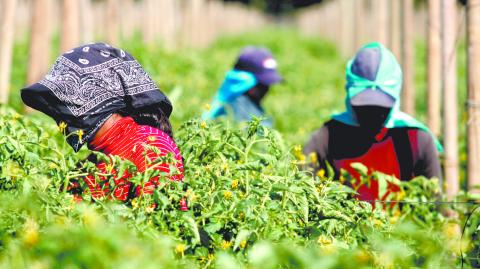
371 118
257 93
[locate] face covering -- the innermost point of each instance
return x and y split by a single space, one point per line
257 93
371 118
388 79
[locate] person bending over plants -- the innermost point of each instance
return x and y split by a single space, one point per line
373 131
101 96
245 86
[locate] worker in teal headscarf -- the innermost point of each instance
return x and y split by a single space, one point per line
373 131
245 86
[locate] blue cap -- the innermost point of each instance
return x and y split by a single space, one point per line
260 62
366 65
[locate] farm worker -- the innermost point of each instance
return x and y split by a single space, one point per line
101 96
245 86
373 131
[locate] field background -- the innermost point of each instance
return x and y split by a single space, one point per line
250 205
313 68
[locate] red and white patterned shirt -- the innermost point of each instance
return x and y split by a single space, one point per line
131 141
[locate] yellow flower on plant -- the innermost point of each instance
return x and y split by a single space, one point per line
203 125
80 135
227 195
313 157
149 209
207 107
134 203
243 244
362 256
323 240
297 150
30 235
234 184
224 166
401 195
342 179
109 168
321 173
180 249
226 244
62 126
377 222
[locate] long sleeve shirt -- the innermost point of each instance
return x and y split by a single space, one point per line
401 152
131 141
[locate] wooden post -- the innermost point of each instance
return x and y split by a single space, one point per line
70 26
408 46
40 33
347 27
395 19
358 21
473 39
111 21
381 22
6 47
167 11
149 31
86 21
449 75
434 66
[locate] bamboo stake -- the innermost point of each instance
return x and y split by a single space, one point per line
434 66
358 23
39 51
70 27
86 21
167 9
347 28
408 93
112 21
149 27
6 47
381 14
473 38
449 74
395 18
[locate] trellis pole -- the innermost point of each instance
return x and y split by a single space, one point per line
473 40
408 46
395 26
450 110
40 33
70 25
112 22
7 27
434 66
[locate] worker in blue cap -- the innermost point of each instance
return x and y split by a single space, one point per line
245 86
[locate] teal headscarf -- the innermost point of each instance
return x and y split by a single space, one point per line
388 80
236 83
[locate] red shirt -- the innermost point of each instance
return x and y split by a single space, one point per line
130 141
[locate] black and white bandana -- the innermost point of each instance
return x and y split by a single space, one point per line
86 85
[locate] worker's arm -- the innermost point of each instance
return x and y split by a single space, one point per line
318 144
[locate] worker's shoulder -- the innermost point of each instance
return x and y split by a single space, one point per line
412 131
330 126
